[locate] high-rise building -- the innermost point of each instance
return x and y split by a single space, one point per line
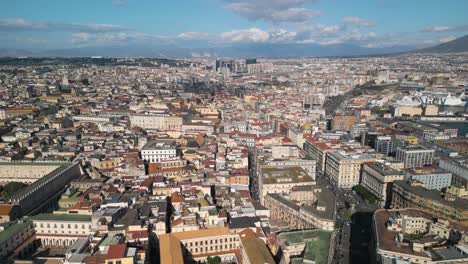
414 156
344 169
458 167
380 142
432 177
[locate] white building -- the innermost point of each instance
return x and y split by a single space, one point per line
61 230
157 151
157 121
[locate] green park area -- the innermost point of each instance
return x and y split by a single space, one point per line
365 194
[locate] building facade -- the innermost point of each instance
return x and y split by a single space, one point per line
343 169
431 177
157 121
414 156
378 179
407 194
158 151
61 230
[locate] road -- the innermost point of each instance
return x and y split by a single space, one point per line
348 204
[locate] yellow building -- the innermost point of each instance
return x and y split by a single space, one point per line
199 244
413 140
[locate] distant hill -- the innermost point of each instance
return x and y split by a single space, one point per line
264 50
455 46
15 53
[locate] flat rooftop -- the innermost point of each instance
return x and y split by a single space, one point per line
382 168
386 238
294 174
317 243
62 217
340 155
159 145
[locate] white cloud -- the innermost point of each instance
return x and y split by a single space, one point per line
193 35
27 25
246 35
446 39
459 28
352 20
118 38
275 11
437 29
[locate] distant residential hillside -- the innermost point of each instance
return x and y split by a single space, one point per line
454 46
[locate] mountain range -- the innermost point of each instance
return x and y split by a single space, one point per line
458 45
265 50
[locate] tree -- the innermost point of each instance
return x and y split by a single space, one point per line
11 188
213 260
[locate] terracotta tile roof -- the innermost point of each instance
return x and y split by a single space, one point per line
116 251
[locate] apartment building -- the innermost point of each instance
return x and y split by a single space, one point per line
344 169
318 213
317 150
378 178
431 177
412 194
414 156
458 167
16 238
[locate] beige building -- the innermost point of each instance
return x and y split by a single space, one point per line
26 172
378 178
414 236
317 213
431 110
200 244
273 179
412 194
157 121
61 230
407 111
344 169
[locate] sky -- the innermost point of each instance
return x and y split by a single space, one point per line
37 25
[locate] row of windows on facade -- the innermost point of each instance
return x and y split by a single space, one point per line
48 225
159 151
213 241
205 249
17 237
